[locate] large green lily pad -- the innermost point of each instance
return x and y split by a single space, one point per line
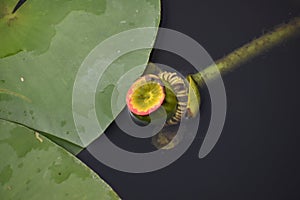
32 167
42 47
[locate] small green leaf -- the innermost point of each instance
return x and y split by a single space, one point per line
32 167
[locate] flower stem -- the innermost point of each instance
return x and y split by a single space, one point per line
249 51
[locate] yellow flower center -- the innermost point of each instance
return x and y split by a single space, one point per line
145 95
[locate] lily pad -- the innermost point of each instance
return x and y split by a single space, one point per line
32 167
42 47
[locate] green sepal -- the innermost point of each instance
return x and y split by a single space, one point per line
194 98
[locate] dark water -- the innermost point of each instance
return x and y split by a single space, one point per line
257 156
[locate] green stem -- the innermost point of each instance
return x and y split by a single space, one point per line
249 51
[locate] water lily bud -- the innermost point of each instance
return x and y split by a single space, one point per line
167 90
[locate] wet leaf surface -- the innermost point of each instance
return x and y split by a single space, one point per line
32 167
42 47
